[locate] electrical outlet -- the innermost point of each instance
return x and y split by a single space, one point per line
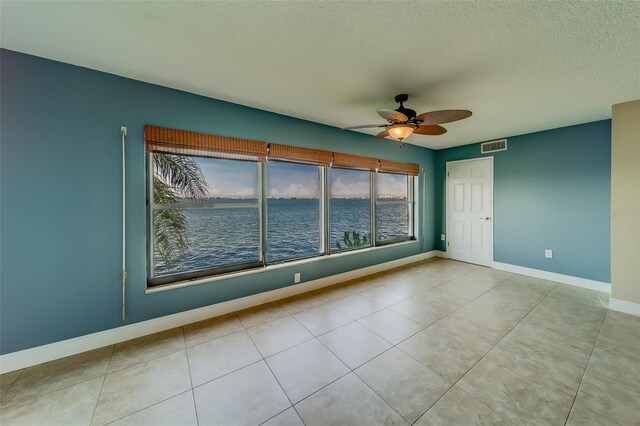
548 253
296 278
443 237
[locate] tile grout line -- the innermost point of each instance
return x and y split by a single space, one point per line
14 382
193 395
104 379
483 357
148 406
275 377
584 373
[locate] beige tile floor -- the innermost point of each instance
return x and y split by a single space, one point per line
433 343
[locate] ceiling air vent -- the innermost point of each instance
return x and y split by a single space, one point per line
493 146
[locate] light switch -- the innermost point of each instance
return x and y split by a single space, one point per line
548 254
443 237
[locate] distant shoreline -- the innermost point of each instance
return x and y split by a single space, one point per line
292 198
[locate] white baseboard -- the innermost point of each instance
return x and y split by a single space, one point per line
624 306
33 356
552 276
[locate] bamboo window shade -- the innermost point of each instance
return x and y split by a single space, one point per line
396 167
355 161
300 155
171 141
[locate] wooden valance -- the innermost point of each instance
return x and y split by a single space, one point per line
300 155
159 139
396 167
355 161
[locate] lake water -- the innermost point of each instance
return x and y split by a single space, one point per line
228 236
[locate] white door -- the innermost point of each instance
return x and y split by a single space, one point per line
470 210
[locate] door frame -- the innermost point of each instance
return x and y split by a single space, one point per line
446 202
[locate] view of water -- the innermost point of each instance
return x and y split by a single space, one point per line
228 236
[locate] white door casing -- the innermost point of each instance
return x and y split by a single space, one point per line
470 210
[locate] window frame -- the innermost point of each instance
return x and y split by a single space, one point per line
372 224
410 202
152 279
324 184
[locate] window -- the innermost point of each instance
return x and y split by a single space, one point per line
293 211
218 204
204 217
394 207
350 213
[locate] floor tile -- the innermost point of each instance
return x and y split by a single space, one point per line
354 344
468 287
288 417
441 353
515 397
535 363
356 306
415 284
383 296
347 402
554 344
391 326
529 286
457 407
573 317
583 296
609 398
305 368
127 391
221 356
305 301
321 319
146 348
261 314
583 416
623 329
610 360
419 310
468 333
72 405
179 410
207 330
7 379
405 384
51 376
278 335
248 396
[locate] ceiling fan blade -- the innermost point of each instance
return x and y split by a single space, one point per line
364 126
382 134
443 116
392 115
434 130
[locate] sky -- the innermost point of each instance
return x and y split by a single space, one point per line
228 178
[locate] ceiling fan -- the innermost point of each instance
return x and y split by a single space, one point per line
403 122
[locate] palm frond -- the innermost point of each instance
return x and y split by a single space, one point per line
181 173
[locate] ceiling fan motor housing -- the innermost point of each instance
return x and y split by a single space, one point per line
411 114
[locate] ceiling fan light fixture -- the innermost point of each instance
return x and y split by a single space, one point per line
400 131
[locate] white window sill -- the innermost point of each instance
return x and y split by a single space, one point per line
198 281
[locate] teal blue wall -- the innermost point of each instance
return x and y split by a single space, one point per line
61 197
551 191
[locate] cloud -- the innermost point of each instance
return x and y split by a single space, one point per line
296 190
339 189
246 192
392 186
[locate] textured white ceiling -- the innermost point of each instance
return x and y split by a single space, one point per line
519 66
